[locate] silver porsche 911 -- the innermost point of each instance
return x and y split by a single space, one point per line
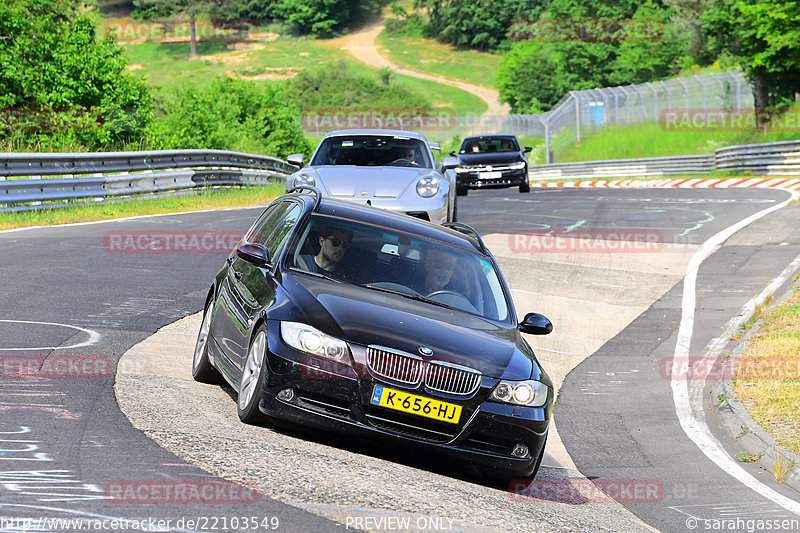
390 169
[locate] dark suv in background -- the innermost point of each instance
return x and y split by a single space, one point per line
491 161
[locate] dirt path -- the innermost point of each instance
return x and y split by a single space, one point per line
362 45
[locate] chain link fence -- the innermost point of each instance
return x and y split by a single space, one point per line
577 115
580 113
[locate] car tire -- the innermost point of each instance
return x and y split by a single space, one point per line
461 190
525 187
251 380
202 369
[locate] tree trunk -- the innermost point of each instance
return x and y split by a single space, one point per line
192 37
761 101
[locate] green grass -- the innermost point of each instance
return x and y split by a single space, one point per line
652 140
438 59
210 199
768 374
167 65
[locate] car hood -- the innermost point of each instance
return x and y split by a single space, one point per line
365 316
369 182
494 158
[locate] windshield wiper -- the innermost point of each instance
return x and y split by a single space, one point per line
408 295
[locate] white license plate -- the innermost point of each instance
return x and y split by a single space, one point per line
489 175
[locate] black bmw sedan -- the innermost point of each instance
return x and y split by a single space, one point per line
350 318
491 161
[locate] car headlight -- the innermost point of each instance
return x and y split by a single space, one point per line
530 393
311 340
427 187
517 166
461 170
305 180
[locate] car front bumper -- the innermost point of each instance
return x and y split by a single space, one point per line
335 397
508 178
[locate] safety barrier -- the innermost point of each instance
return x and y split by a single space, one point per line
765 159
97 176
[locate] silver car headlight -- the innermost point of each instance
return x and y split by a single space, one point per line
530 393
310 340
427 187
462 170
517 166
305 180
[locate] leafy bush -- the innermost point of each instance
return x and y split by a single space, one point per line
335 86
229 114
59 84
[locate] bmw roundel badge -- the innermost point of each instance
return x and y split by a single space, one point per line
424 350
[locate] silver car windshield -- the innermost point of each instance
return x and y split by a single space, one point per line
372 150
386 260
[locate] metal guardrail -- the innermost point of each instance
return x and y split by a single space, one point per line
97 176
767 159
779 158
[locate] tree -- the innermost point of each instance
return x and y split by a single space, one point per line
315 16
52 62
155 9
481 24
764 35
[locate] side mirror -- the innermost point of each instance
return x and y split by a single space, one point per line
296 160
253 253
450 163
535 324
435 146
526 149
453 153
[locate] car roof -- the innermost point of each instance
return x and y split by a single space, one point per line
381 217
490 136
392 133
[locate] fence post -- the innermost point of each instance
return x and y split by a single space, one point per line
577 116
548 156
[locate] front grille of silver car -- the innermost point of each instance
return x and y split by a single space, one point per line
452 379
395 365
410 369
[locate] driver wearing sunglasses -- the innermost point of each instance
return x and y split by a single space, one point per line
333 243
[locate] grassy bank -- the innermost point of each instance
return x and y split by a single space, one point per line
265 57
653 140
211 199
437 59
768 373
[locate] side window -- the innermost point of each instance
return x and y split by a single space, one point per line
262 229
281 231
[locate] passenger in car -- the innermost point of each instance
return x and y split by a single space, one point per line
438 268
333 244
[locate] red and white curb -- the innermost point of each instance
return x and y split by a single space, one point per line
683 183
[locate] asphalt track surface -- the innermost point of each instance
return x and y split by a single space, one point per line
64 441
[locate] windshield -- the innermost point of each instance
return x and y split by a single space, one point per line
489 144
372 150
386 260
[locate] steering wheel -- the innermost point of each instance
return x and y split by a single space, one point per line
405 161
451 293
